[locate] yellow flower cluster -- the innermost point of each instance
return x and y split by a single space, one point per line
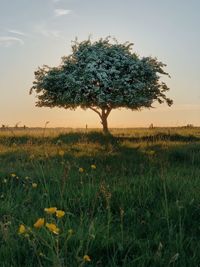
93 166
13 175
26 178
52 227
41 222
52 210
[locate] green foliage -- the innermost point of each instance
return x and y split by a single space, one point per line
101 76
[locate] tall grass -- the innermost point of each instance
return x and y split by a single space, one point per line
138 207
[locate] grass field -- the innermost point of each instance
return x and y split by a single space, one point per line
131 199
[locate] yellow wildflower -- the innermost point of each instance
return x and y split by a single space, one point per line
61 153
81 170
34 185
39 223
51 210
60 213
13 175
22 229
52 228
86 258
93 166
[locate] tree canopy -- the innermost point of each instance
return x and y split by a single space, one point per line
102 76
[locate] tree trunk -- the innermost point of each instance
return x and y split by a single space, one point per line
104 122
103 114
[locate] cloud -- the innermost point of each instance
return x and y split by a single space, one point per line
61 12
56 1
9 41
16 32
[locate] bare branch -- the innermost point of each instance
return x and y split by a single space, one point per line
95 110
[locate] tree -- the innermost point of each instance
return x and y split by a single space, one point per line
101 76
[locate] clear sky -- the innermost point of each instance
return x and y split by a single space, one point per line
37 32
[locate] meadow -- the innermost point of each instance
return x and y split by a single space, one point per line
71 198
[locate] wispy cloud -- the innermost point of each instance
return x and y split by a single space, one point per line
61 12
16 32
9 41
56 1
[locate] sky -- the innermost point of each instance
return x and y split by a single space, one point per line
37 32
